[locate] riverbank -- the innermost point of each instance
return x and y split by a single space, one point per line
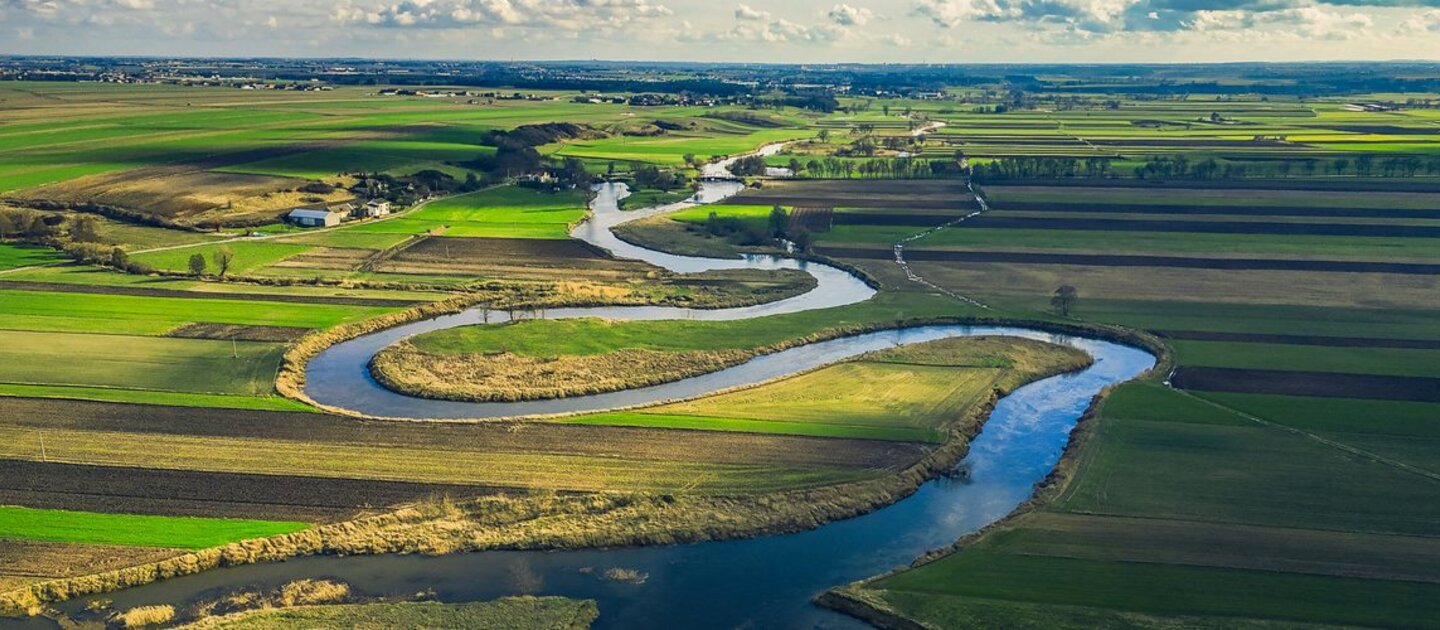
549 521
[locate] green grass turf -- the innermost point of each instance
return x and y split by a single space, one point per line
140 363
132 529
249 256
1260 318
1275 356
14 255
1336 415
505 212
1167 590
146 315
1173 465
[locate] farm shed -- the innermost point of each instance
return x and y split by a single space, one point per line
306 217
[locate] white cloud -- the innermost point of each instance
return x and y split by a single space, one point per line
846 15
565 15
746 12
1423 23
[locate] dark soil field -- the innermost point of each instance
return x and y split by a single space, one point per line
897 218
1121 260
509 256
1366 386
1214 227
280 334
915 194
1278 211
198 493
813 220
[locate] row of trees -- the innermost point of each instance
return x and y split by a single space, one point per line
78 235
1181 167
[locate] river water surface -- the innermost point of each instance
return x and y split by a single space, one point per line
762 583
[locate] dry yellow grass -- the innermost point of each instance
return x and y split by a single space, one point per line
146 616
507 377
1309 288
189 195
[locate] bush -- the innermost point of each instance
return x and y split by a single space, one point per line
146 616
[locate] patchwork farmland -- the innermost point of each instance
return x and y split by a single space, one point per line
164 333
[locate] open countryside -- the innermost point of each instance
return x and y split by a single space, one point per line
318 343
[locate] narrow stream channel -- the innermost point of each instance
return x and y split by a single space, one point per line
765 582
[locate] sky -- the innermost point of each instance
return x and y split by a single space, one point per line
794 31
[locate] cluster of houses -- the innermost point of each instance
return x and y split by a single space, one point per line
331 216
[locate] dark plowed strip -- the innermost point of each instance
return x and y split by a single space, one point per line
1268 211
1124 260
1370 386
194 493
1351 184
238 332
1211 227
1302 340
59 287
894 218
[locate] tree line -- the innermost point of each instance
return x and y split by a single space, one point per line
1181 167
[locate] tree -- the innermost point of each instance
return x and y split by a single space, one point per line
801 239
778 222
223 257
119 259
1364 165
197 264
690 160
1064 300
824 136
82 229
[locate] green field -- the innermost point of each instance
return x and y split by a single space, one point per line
13 256
145 315
914 393
133 529
139 363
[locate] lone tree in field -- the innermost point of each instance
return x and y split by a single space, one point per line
197 264
1064 300
223 258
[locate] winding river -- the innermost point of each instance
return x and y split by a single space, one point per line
764 582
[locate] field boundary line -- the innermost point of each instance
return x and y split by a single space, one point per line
910 274
1353 450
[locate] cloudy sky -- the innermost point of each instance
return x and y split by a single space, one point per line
720 30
